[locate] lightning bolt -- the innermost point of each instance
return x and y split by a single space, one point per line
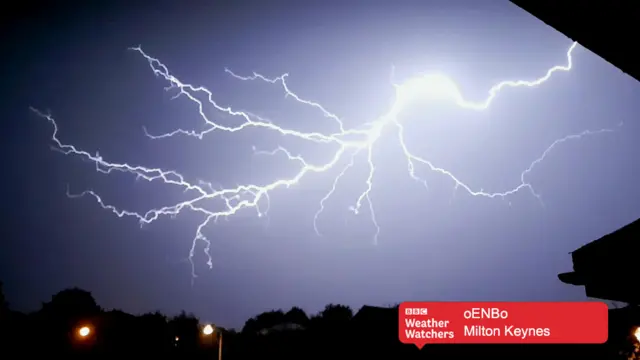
349 143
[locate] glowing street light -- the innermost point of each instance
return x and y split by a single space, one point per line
208 330
636 333
84 331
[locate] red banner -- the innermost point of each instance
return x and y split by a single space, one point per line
423 323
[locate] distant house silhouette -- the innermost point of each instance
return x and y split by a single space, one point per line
281 327
608 267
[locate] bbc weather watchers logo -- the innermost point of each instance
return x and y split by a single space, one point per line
416 311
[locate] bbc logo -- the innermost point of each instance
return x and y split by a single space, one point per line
416 311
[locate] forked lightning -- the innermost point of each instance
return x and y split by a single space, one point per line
349 143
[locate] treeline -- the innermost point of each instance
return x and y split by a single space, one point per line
73 325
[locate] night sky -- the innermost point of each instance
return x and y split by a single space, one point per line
434 244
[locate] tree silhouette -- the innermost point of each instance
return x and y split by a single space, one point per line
13 326
4 306
154 332
297 316
264 321
59 318
185 329
116 332
332 333
5 321
336 315
72 304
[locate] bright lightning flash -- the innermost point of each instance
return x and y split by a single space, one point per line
431 87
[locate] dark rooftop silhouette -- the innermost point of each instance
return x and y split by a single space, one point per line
607 267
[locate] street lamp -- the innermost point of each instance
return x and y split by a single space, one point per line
636 333
84 331
209 330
